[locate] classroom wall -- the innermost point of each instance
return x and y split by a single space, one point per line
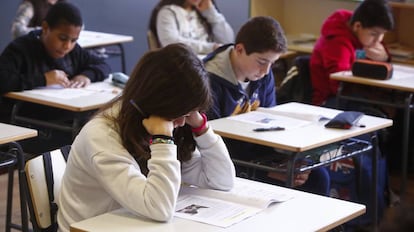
299 16
129 17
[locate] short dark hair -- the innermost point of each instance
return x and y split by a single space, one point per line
63 13
373 13
261 34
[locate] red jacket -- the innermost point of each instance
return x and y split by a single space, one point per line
333 52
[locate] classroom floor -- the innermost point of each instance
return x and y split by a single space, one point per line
394 179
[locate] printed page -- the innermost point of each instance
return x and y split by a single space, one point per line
212 211
225 208
265 119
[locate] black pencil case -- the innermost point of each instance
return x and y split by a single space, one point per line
344 120
372 69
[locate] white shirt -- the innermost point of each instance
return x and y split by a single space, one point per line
102 176
177 25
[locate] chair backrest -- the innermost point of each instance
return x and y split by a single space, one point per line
42 207
152 41
297 85
303 63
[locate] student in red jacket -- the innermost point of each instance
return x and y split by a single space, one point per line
343 35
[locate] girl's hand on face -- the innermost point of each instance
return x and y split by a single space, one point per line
194 119
204 5
376 52
156 125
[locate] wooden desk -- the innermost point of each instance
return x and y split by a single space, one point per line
402 81
84 101
305 212
93 39
293 142
9 135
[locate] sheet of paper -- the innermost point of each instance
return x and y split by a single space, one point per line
212 211
62 93
270 120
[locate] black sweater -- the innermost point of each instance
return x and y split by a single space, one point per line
25 60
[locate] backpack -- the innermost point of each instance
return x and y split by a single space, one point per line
351 180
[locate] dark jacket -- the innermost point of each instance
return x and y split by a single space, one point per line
229 98
25 60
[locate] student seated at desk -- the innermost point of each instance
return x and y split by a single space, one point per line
242 80
346 36
51 56
138 150
29 16
197 23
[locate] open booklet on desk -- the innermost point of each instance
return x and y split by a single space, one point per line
225 208
280 118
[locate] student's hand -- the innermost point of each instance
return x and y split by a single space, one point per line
158 126
376 52
57 77
204 5
79 81
194 119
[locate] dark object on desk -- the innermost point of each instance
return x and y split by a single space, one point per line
345 120
119 79
277 128
372 69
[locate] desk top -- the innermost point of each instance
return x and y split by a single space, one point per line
402 79
89 39
305 212
78 100
11 133
299 139
301 43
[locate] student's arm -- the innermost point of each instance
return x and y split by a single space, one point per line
89 65
24 14
168 32
218 100
17 71
210 166
269 95
222 31
339 58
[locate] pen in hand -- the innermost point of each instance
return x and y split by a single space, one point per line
262 129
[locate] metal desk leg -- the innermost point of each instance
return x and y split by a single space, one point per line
121 48
18 151
375 157
291 171
404 160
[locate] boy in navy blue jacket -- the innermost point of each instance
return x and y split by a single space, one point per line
49 57
242 80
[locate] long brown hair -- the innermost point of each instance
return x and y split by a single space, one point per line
152 26
169 83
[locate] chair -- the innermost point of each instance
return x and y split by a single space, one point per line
42 188
152 41
302 63
12 157
297 85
